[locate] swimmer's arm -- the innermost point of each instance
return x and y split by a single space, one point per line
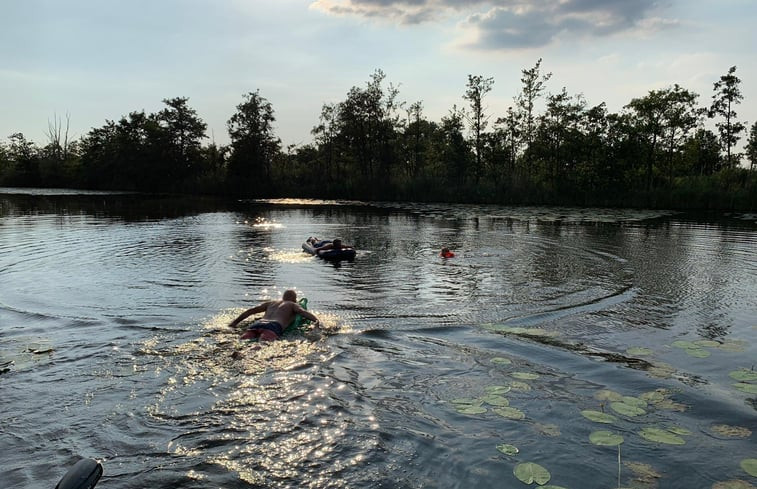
249 312
304 313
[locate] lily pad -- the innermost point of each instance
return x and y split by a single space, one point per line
744 387
750 466
645 472
520 386
639 351
509 412
467 401
733 346
471 409
501 361
684 344
496 400
634 401
743 375
508 449
627 409
608 395
679 430
660 435
733 484
598 416
525 375
654 396
498 389
550 486
707 343
671 406
697 352
731 431
605 438
529 472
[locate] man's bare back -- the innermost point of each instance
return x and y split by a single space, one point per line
281 312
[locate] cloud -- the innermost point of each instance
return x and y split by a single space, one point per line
513 24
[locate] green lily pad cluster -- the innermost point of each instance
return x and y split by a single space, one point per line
493 396
747 380
605 438
629 406
695 348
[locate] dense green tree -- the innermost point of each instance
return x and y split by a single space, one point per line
751 147
24 154
185 132
533 85
326 135
701 153
727 95
475 92
254 146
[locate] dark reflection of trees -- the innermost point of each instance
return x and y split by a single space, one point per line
125 207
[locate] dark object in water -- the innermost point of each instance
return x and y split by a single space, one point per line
346 253
83 475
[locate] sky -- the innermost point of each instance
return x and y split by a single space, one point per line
89 61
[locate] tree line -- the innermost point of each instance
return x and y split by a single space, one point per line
546 148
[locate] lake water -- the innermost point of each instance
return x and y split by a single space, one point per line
555 331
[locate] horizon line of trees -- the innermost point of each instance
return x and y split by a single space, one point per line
655 152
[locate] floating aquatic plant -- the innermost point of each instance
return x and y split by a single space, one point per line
733 484
598 416
697 352
498 389
525 375
750 466
627 409
733 346
501 361
520 386
529 472
744 387
660 435
467 401
645 472
496 400
471 409
605 438
608 395
743 375
509 412
731 431
508 449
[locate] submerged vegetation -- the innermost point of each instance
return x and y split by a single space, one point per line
547 148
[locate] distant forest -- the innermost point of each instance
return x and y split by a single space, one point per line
547 148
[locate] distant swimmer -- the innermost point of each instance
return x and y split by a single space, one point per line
446 253
278 315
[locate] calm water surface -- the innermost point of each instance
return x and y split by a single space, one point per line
113 345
